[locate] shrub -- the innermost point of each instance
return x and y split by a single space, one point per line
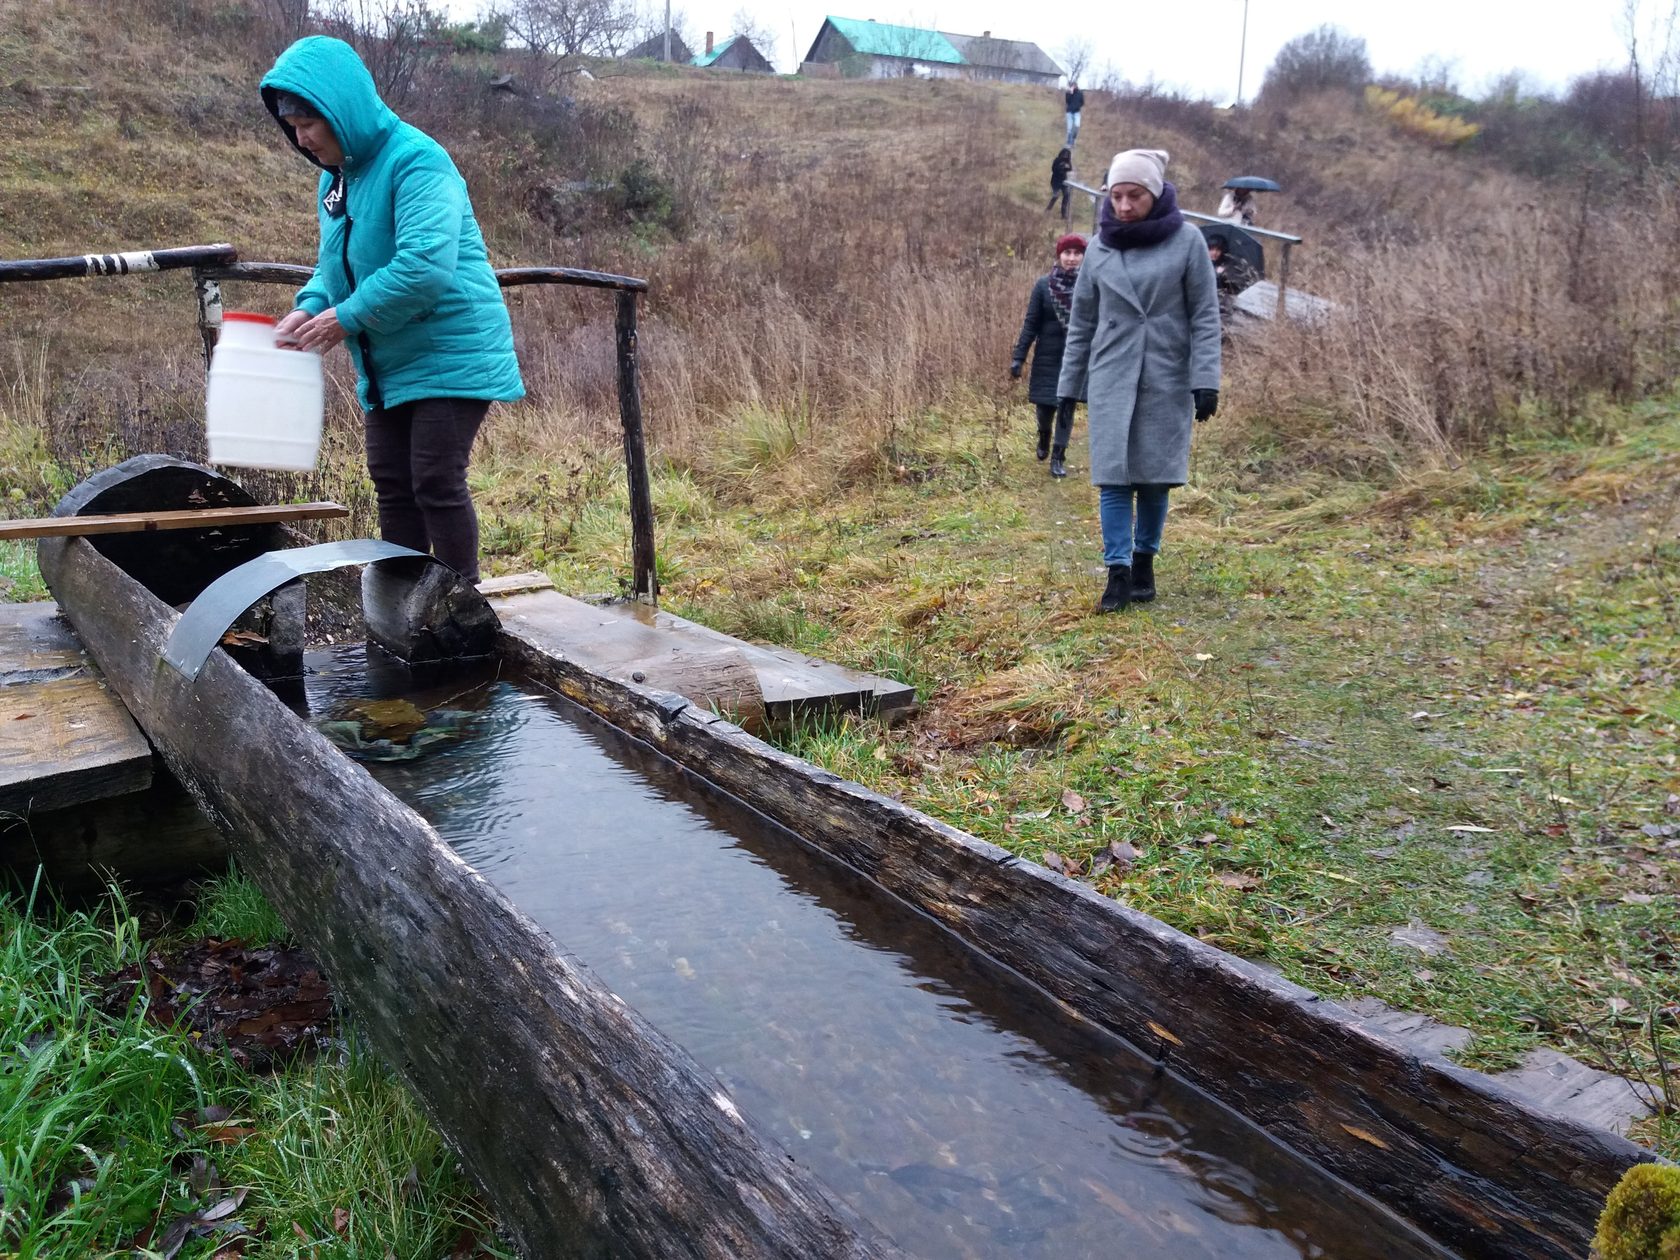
1415 118
1325 60
1641 1218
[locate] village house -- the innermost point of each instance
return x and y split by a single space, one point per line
880 50
654 50
735 53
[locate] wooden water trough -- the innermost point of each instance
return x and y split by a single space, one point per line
594 1135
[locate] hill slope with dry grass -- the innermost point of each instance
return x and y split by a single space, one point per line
829 258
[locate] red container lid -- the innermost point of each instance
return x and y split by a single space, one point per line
249 317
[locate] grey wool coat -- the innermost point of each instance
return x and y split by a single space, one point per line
1143 333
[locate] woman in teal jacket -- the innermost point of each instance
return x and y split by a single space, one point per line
404 279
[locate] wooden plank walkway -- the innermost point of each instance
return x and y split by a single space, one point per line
610 638
65 738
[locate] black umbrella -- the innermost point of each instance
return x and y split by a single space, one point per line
1254 183
1238 244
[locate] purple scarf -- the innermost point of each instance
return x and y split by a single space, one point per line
1164 220
1061 291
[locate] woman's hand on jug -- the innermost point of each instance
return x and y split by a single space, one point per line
321 333
285 332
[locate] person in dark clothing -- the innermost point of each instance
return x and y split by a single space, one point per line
1046 324
1075 102
1233 274
1059 171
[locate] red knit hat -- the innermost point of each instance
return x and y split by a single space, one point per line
1071 241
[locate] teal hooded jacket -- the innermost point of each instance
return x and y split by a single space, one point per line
401 257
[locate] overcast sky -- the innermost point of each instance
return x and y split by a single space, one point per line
1196 45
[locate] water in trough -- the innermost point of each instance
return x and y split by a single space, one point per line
954 1105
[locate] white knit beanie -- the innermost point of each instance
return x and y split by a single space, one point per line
1144 167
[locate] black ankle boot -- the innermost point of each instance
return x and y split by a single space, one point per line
1119 591
1044 441
1143 577
1058 461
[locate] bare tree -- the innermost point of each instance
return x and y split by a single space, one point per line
390 36
557 35
747 24
1325 60
650 25
1076 57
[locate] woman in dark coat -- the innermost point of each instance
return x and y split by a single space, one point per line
1046 324
1143 347
1060 169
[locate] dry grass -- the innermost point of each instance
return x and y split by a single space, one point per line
851 260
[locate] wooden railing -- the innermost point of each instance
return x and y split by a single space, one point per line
211 265
1288 241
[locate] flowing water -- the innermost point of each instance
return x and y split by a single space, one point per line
953 1104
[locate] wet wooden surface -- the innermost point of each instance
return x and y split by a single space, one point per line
607 636
65 739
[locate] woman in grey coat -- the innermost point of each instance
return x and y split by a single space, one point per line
1143 350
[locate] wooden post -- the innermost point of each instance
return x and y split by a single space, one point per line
644 582
1283 282
209 312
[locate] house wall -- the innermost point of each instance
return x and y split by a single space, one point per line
742 56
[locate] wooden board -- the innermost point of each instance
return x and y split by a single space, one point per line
65 739
605 637
591 1133
1479 1166
140 522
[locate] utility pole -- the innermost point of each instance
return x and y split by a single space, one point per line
1242 53
668 34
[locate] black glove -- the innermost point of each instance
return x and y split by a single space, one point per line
1015 369
1207 402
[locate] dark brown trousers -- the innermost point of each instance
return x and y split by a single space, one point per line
417 455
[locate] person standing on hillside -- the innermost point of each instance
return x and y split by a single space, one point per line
1074 102
403 278
1046 324
1237 206
1143 349
1060 168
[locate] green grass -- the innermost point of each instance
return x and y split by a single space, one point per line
100 1132
1338 680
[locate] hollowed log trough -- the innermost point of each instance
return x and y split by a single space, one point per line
594 1135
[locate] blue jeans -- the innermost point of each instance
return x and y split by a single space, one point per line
1115 512
1072 127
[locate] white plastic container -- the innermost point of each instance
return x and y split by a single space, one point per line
264 405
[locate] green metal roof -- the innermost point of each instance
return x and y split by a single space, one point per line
883 39
706 59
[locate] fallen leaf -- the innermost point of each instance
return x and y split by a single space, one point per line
226 1134
1162 1033
1204 656
1124 852
18 717
1470 827
1075 803
1055 861
1365 1135
1638 899
227 1207
340 1222
1237 880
